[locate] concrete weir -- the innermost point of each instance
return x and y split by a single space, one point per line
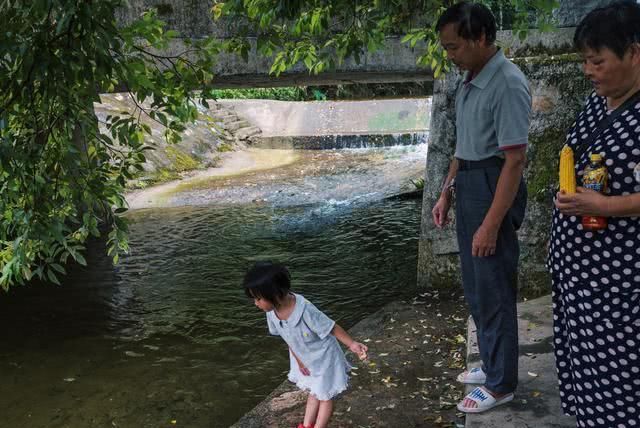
287 118
335 124
354 141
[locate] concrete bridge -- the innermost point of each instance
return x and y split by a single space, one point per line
395 62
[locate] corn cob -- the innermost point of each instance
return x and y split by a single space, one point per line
567 171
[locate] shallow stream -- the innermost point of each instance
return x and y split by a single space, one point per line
167 338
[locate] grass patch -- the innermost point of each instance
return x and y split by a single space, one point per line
181 161
225 147
355 91
162 175
281 94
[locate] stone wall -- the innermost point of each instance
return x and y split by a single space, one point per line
558 88
571 12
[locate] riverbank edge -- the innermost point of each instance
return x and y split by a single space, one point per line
286 397
409 379
236 163
536 403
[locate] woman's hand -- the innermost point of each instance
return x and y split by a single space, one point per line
583 202
359 349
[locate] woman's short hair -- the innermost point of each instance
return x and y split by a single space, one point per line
473 20
267 280
615 27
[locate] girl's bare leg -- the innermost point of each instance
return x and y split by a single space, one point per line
311 411
324 414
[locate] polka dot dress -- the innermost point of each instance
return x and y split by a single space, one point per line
596 286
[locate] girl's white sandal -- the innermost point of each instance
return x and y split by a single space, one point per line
483 400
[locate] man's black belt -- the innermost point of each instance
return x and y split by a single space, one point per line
464 165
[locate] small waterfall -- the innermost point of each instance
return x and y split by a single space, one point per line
333 142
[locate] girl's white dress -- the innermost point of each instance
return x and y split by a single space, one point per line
307 331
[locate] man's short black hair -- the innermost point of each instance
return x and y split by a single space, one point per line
473 20
615 27
267 280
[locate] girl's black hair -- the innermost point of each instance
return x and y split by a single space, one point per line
615 27
267 280
473 20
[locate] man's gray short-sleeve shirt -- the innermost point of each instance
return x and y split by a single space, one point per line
492 111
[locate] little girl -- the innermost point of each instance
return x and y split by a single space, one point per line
317 364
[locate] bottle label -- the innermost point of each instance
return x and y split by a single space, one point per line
595 179
593 186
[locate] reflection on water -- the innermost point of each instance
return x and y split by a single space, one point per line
168 334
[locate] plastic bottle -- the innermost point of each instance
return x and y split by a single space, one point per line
595 178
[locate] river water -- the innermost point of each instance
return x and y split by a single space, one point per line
167 338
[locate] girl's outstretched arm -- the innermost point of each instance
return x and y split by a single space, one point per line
303 369
356 347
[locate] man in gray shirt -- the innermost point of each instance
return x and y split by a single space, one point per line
493 107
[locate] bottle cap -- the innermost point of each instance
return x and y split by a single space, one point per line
595 157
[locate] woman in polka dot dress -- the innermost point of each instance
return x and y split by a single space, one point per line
596 274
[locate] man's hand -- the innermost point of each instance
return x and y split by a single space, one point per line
484 241
440 211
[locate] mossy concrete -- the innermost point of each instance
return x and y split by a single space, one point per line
182 161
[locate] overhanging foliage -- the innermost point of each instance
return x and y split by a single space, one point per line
323 33
62 173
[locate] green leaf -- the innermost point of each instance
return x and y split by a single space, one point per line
52 277
58 268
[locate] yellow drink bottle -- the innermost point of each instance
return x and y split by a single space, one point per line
595 178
